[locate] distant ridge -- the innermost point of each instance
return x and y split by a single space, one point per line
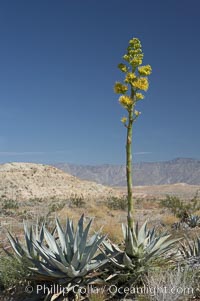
179 170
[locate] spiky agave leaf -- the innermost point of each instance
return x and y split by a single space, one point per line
115 257
31 235
19 249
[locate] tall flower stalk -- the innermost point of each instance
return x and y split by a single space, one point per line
131 90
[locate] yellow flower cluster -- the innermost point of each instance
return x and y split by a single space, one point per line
137 113
139 96
126 57
130 77
123 67
141 83
134 53
125 101
145 70
120 88
136 75
135 43
123 119
136 62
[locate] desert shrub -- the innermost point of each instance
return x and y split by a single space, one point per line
77 201
117 203
57 206
12 271
176 206
180 208
10 204
34 201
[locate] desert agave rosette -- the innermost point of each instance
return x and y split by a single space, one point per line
66 258
145 244
190 251
193 221
143 249
190 261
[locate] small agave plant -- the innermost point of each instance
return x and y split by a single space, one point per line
145 244
193 221
65 258
190 260
143 249
191 250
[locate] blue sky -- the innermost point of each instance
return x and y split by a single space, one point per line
58 65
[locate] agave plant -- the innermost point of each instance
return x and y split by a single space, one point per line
66 258
190 249
190 260
144 244
193 221
143 249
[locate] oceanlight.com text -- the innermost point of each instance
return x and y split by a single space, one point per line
112 289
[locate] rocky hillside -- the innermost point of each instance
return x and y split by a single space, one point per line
22 181
179 170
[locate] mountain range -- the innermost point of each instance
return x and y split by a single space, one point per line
179 170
